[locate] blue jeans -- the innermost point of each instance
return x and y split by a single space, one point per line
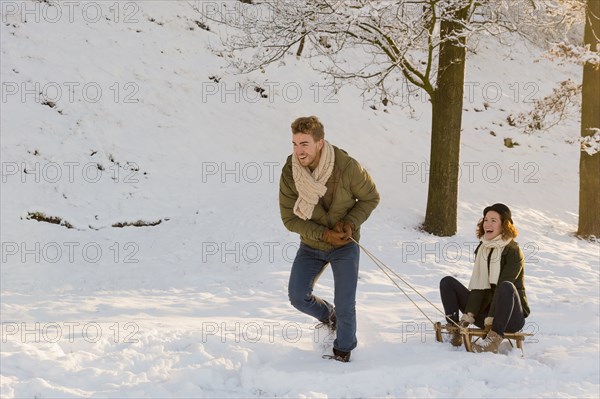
306 270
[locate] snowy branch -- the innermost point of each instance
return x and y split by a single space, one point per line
367 42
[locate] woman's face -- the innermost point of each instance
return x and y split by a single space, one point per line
492 225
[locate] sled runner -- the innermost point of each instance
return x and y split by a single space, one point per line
468 333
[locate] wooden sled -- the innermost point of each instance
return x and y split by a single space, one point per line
468 333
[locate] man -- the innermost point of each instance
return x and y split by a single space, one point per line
325 195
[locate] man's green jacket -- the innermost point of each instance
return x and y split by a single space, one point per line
351 196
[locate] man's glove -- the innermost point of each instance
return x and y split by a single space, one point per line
487 323
337 239
344 227
466 320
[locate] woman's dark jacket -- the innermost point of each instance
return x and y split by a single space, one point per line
482 303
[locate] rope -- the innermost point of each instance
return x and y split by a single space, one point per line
382 266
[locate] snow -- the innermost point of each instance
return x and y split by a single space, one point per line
196 306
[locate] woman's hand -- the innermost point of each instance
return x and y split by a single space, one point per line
487 323
467 319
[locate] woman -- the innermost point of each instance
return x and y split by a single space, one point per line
495 299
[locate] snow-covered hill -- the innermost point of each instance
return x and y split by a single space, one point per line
137 121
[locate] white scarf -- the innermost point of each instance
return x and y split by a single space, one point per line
481 279
311 185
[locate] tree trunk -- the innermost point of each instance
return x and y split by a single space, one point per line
447 103
589 165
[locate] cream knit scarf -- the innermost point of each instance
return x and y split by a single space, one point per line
311 185
481 279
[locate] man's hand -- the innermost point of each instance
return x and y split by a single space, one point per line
335 238
344 227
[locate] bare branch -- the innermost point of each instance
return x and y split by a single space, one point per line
396 35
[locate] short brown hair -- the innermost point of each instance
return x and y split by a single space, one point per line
309 125
508 229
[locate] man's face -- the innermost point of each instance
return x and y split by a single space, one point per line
306 150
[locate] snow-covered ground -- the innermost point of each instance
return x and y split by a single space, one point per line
138 128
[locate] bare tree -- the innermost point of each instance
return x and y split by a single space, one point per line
565 40
589 161
373 44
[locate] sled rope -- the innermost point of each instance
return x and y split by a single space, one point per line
385 268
